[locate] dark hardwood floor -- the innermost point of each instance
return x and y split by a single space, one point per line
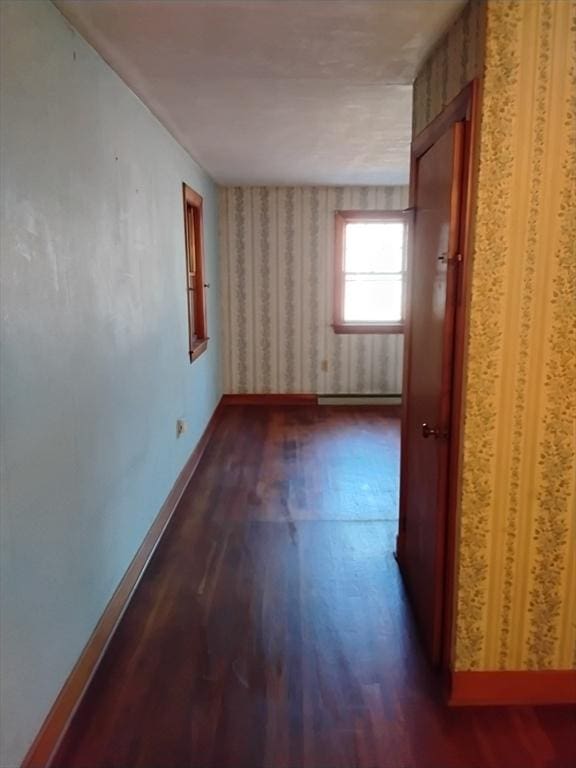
271 628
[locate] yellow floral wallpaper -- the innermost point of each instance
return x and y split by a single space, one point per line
455 61
516 595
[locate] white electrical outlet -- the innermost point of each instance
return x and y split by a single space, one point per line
181 427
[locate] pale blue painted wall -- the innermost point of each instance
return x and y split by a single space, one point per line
94 356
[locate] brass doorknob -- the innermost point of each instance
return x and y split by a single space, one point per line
428 431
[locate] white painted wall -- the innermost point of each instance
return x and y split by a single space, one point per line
94 357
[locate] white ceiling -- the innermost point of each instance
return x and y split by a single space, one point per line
274 91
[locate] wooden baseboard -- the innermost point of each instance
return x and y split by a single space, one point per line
44 747
269 399
524 687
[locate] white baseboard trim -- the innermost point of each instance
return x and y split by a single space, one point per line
359 400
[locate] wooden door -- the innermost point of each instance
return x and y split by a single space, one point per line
435 257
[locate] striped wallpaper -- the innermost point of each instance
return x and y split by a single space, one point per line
516 579
517 571
276 261
454 62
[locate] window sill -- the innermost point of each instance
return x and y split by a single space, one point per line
368 328
199 347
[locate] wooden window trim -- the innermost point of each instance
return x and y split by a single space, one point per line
195 285
368 327
342 218
198 347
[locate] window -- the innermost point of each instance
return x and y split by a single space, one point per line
198 337
370 266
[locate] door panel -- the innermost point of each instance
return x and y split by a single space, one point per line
427 390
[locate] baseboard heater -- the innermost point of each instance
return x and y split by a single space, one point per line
359 399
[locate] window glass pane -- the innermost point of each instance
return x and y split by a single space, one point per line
375 246
372 299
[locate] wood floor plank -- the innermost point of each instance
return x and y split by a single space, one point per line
271 629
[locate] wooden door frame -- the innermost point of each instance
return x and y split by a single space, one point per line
464 107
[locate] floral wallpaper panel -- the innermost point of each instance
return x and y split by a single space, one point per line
516 605
277 254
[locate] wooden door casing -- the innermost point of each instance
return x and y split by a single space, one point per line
431 587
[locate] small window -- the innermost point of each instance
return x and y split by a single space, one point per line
370 265
197 331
